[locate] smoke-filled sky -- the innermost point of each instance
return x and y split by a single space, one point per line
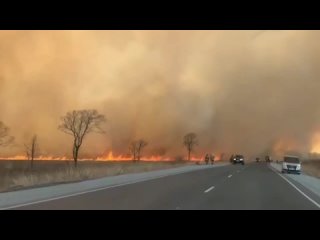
239 91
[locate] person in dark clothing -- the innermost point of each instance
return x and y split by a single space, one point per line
268 159
206 159
212 158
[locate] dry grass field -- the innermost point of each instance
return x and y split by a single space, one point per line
18 174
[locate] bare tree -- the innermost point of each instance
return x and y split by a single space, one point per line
79 124
5 138
136 148
133 150
140 145
31 150
190 141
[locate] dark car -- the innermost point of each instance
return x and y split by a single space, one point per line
238 159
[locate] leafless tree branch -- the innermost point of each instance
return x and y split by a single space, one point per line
32 149
79 124
190 141
136 148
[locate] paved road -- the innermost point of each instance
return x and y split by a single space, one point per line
253 186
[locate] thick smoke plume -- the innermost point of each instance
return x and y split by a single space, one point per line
240 91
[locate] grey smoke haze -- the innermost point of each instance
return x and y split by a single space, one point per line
240 91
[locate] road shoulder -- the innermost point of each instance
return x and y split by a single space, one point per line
305 184
24 197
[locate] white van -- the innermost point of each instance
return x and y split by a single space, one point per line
291 164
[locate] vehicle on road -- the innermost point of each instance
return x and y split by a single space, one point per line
257 159
238 159
291 164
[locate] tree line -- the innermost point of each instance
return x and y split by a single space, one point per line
80 123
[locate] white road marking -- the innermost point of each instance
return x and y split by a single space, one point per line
295 187
230 176
95 190
209 189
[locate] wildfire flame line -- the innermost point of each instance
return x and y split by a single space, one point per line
107 157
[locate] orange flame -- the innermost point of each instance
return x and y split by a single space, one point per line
315 143
17 157
110 157
23 157
106 157
282 146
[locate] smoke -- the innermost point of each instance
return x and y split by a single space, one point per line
241 91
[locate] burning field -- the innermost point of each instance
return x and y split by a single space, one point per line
108 157
248 92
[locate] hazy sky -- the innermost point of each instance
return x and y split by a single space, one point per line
240 91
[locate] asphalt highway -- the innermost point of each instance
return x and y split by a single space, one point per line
254 186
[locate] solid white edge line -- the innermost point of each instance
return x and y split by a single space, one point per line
209 189
295 187
96 190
